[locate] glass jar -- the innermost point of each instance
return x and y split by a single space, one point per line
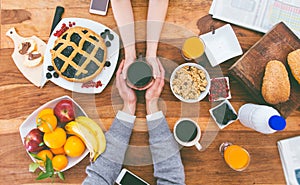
235 156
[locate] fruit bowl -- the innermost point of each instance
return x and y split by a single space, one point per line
30 123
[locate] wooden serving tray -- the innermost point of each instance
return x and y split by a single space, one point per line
250 68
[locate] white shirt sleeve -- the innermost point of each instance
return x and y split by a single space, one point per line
123 116
155 116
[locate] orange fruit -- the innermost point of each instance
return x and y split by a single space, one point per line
47 123
45 111
57 151
55 139
74 146
42 154
59 162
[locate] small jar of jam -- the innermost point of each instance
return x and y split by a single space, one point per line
139 75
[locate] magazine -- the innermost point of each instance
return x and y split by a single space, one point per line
289 152
259 15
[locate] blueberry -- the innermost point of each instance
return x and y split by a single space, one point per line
55 74
48 75
108 44
107 64
106 31
111 36
103 35
50 68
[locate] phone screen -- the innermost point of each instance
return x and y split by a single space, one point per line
129 179
99 5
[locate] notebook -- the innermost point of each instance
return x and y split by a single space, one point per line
259 15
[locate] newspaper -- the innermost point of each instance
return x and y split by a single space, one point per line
259 15
289 151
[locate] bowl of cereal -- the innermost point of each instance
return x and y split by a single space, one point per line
190 82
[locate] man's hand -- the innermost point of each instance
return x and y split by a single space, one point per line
126 93
153 61
153 93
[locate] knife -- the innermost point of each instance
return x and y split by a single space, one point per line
57 17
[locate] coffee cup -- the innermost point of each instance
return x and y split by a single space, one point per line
187 133
139 75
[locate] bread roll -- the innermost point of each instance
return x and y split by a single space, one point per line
276 84
294 63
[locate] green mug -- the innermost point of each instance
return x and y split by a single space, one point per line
139 75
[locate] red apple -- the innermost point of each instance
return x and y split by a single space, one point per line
64 111
34 141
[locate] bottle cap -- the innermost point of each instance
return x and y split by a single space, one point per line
277 122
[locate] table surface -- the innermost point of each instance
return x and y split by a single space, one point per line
19 98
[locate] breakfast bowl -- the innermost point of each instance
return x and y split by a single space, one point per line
190 82
31 130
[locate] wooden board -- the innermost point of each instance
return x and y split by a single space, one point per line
33 74
250 68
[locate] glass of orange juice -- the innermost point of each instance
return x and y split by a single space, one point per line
192 48
235 156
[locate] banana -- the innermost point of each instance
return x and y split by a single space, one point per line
86 134
97 131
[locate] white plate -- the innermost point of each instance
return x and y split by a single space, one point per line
30 123
222 45
107 72
202 95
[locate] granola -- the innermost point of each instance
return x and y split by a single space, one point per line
189 82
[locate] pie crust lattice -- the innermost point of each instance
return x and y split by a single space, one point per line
79 54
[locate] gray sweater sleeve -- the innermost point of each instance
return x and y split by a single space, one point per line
168 167
107 167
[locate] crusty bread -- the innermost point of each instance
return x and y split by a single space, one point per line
294 63
276 84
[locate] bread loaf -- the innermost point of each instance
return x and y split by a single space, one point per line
276 84
294 63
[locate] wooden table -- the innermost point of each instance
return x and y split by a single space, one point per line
19 98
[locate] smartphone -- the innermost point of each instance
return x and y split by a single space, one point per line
99 7
126 177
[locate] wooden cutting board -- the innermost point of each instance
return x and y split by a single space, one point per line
250 68
33 74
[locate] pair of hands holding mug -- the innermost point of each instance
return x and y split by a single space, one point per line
152 93
152 61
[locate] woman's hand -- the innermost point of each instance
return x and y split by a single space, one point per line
153 61
127 62
126 93
153 93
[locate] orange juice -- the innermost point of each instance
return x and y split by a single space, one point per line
192 48
236 157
